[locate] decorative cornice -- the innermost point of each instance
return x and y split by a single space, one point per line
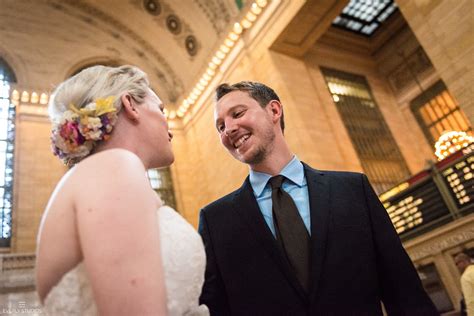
443 241
17 272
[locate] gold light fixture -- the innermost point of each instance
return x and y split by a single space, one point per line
238 29
15 95
450 142
44 98
29 97
25 96
34 97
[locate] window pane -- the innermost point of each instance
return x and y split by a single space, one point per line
449 100
434 132
443 106
7 138
437 108
440 128
461 118
431 112
425 116
161 182
453 123
376 148
446 126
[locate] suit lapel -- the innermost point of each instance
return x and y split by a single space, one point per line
246 204
318 191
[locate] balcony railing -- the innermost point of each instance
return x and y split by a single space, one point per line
17 272
433 197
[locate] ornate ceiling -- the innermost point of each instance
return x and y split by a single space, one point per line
45 41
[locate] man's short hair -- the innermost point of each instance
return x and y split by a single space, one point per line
258 91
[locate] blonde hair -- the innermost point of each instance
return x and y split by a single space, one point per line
98 82
81 91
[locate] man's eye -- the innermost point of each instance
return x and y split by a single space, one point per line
220 128
238 114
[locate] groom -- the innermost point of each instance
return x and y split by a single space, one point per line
294 240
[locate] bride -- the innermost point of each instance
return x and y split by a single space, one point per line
106 244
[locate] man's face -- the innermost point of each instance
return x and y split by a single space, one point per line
245 128
461 263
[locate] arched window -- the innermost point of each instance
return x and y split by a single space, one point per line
161 182
373 141
7 143
437 112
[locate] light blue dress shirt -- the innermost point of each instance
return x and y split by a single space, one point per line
295 184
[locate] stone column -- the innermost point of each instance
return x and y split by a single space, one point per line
445 29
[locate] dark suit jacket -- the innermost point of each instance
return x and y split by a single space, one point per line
357 259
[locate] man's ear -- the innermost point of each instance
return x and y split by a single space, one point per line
129 107
277 109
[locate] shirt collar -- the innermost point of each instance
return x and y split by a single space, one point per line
294 171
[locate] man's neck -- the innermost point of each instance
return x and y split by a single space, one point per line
273 164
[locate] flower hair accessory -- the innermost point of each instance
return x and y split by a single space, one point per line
77 131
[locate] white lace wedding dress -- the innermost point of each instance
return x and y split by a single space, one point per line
184 262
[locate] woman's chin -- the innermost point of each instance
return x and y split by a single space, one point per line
163 162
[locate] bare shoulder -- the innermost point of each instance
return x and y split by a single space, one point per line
96 172
116 161
110 177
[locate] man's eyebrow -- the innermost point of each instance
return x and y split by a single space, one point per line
234 107
219 120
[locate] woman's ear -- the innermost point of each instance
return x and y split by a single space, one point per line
129 107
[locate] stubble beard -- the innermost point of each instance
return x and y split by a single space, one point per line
262 151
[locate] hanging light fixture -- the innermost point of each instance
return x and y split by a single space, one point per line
450 142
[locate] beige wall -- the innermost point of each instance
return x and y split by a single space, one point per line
315 131
37 172
445 30
203 170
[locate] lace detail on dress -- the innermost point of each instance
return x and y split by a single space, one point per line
72 296
184 262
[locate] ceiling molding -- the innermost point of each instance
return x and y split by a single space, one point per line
90 14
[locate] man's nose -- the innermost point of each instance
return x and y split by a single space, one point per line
230 129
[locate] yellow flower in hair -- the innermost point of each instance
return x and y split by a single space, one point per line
97 108
81 112
104 106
